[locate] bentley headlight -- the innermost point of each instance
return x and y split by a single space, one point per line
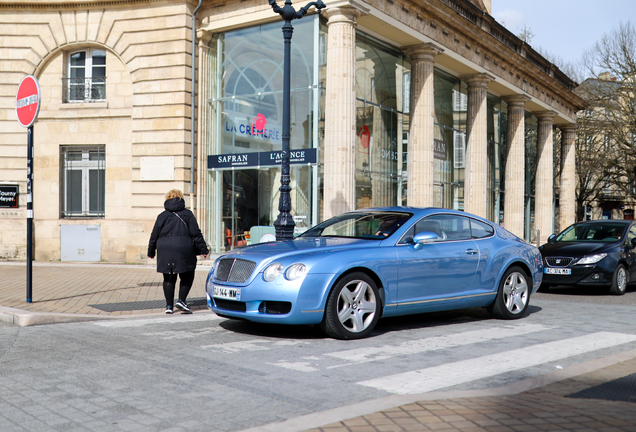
272 272
591 259
296 271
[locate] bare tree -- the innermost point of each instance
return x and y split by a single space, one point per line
611 118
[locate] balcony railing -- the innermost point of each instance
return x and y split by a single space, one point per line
85 89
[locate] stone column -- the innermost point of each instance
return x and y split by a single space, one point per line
420 161
339 192
514 194
476 179
567 194
544 182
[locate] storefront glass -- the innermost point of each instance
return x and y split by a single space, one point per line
451 108
497 130
380 77
244 161
532 129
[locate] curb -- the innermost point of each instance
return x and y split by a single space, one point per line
24 318
318 419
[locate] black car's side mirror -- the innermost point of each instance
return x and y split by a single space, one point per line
633 242
552 238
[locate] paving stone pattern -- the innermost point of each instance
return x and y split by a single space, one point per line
80 288
543 409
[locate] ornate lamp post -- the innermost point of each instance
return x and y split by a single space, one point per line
285 223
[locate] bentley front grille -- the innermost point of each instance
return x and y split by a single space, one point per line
234 270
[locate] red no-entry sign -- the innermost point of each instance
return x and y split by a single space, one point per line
27 101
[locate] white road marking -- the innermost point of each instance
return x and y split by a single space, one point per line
184 334
173 319
451 374
251 345
361 355
297 366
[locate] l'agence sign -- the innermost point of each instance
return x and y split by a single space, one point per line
9 196
260 159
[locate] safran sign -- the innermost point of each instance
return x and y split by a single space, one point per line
262 159
9 196
27 101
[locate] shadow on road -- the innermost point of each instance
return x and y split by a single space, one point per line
385 325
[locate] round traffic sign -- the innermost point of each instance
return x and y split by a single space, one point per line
27 101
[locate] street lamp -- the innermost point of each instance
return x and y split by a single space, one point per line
284 222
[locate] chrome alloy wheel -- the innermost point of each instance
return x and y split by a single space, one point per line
515 292
357 306
621 279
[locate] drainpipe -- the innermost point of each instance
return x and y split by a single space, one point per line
192 115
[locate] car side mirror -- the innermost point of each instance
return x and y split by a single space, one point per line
633 242
552 238
423 237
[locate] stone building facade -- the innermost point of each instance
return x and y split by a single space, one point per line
394 102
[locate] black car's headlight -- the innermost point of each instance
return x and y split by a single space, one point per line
591 259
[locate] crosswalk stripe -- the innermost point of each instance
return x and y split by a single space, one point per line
173 319
418 346
451 374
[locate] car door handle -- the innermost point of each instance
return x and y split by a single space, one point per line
470 252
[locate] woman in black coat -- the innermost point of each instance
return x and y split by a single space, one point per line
177 239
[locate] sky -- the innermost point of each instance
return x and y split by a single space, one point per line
564 28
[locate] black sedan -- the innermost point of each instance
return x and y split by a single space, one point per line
596 253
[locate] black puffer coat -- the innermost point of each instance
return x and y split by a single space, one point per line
176 238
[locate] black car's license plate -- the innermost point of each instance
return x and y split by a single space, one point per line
557 271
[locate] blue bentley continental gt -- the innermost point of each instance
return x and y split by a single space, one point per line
352 269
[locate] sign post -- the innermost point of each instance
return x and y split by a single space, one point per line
27 107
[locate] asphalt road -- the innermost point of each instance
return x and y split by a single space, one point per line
203 373
596 295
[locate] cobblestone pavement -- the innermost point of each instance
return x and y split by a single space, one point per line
90 288
576 404
600 398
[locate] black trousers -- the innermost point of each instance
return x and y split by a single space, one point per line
185 283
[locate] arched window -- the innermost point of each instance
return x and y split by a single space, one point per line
85 76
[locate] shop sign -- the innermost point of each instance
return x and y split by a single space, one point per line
439 149
9 196
261 159
255 128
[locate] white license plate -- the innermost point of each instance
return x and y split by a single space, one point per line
227 293
557 271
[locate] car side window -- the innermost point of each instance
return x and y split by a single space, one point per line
631 234
447 227
480 230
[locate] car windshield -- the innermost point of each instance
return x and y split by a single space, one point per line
368 225
593 232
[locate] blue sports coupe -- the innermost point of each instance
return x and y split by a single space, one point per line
350 270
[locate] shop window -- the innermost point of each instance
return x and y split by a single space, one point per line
459 149
82 181
85 76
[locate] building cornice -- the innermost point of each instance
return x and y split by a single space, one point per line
80 4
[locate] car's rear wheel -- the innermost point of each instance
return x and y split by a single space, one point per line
353 307
513 295
619 280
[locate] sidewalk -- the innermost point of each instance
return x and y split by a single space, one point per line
65 292
597 396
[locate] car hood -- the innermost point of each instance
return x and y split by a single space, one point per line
275 250
575 249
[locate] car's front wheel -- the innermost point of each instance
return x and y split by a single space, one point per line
619 280
513 295
353 307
